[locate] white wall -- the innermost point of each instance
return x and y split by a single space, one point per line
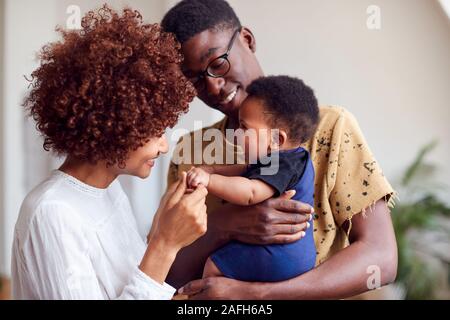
2 180
24 31
395 80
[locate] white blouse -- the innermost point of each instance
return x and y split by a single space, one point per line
74 241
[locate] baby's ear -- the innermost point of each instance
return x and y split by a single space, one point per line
278 139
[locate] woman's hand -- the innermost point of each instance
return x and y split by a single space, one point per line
181 217
180 220
276 220
220 288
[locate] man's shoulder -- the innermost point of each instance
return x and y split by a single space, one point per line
331 115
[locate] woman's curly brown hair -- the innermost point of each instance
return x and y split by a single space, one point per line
106 89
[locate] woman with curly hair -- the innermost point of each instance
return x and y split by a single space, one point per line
103 97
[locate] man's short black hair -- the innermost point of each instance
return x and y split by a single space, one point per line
190 17
290 103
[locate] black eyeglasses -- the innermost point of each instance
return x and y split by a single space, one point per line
218 67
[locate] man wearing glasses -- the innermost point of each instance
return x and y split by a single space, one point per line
352 226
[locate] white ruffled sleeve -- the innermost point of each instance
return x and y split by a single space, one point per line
56 263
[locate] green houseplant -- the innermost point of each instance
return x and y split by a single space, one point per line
419 211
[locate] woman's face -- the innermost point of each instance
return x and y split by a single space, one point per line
142 160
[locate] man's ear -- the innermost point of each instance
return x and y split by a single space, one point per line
249 38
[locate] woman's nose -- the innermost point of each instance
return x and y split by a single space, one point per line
214 86
163 145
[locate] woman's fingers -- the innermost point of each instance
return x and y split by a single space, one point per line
198 195
170 191
167 196
189 190
181 188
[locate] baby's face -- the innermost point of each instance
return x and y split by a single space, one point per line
257 131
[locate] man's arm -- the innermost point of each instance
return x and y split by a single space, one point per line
372 243
343 275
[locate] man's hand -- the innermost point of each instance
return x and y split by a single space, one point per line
276 220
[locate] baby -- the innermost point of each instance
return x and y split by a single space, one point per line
288 105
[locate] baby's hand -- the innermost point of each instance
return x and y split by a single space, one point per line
196 176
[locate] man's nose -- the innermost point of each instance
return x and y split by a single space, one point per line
214 85
163 145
